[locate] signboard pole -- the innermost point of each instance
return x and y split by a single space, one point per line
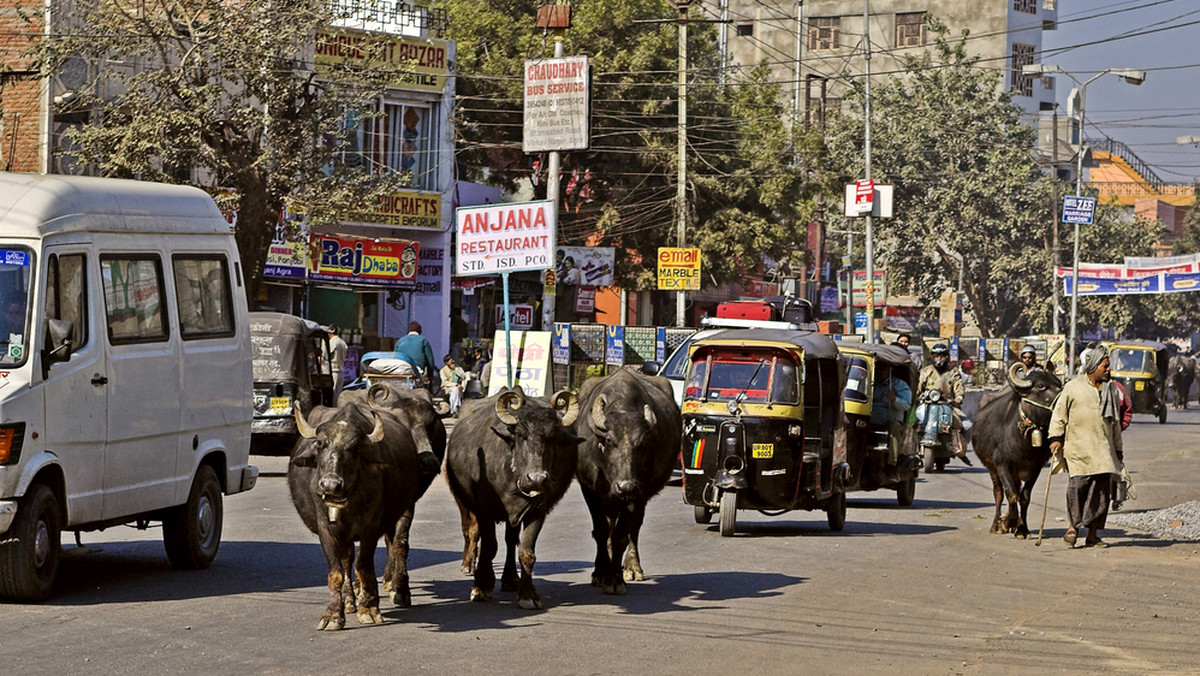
552 189
507 330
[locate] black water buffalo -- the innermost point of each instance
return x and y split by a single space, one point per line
355 475
510 459
631 429
1010 441
1182 373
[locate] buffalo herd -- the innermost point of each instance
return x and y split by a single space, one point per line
359 469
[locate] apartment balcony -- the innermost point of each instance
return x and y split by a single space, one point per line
395 17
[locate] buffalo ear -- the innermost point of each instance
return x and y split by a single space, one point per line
307 457
503 431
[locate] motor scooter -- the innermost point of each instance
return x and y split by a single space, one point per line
939 440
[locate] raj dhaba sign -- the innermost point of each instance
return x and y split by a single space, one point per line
363 262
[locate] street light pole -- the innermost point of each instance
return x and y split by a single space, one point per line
869 247
1134 77
681 187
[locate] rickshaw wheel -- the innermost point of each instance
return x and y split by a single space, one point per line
703 514
728 513
906 491
1162 414
835 513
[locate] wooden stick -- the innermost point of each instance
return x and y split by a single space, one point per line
1045 504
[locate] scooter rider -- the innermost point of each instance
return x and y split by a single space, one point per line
939 376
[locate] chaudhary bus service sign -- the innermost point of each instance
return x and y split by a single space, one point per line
500 238
557 104
678 269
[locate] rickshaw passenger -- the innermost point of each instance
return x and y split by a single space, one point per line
784 388
890 401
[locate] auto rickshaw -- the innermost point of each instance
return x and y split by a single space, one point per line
292 369
763 426
1141 368
881 440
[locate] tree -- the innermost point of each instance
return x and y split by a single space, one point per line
223 91
745 193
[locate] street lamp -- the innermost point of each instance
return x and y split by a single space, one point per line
1133 77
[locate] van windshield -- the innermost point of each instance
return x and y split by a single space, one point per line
16 276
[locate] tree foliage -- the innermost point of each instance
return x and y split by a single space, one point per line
743 189
224 91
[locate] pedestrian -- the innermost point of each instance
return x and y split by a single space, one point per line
337 367
417 348
453 379
482 367
901 341
1084 439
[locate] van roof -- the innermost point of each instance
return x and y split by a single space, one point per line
37 205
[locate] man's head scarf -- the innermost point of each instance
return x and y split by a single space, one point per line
1092 358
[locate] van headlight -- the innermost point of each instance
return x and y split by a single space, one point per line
12 437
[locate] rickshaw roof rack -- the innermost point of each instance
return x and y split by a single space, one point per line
730 323
889 354
1152 344
283 323
815 345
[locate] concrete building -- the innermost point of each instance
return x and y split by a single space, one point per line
811 44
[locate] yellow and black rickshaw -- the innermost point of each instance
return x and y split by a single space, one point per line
763 426
881 438
1141 368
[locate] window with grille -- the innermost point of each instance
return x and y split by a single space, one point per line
1026 6
396 137
824 32
910 29
1022 55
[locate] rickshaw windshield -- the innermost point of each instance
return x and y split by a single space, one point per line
857 380
1125 359
762 376
16 273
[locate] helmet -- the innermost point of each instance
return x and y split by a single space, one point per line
1029 349
939 349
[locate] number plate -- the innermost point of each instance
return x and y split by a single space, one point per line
762 451
280 404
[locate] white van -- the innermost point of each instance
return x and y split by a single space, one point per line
125 386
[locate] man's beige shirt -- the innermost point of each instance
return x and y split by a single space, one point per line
1088 443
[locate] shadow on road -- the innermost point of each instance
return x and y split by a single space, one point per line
918 504
139 571
658 594
781 528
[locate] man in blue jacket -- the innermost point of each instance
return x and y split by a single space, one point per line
418 349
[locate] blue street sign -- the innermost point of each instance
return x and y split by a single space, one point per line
1078 209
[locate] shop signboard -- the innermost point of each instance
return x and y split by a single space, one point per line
362 261
678 269
403 209
530 362
557 104
561 347
860 288
519 316
499 238
286 260
614 345
585 299
408 62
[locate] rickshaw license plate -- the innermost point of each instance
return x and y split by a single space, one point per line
280 404
762 451
1139 386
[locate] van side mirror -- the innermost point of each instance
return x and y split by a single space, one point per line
59 335
650 368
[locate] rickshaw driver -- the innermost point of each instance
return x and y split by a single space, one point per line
939 376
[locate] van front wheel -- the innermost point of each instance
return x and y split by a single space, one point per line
192 532
29 553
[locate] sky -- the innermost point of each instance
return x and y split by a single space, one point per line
1150 117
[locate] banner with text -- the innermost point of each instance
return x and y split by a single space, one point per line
678 269
500 238
860 288
363 261
530 360
406 62
557 110
404 209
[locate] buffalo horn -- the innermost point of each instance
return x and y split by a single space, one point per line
302 425
598 413
1017 376
509 403
379 395
567 405
376 434
648 414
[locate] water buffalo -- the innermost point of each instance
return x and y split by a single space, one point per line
1010 441
355 475
1182 372
631 429
510 459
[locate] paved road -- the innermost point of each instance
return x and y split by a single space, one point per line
920 590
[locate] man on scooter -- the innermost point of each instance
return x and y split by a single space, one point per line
939 376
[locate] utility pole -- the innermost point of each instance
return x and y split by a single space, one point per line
870 245
1054 220
723 37
553 185
681 187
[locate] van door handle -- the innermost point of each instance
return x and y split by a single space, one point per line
99 380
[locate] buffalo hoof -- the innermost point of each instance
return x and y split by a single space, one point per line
597 580
387 585
350 608
634 575
331 623
467 569
480 596
401 598
1021 535
370 616
617 589
531 603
